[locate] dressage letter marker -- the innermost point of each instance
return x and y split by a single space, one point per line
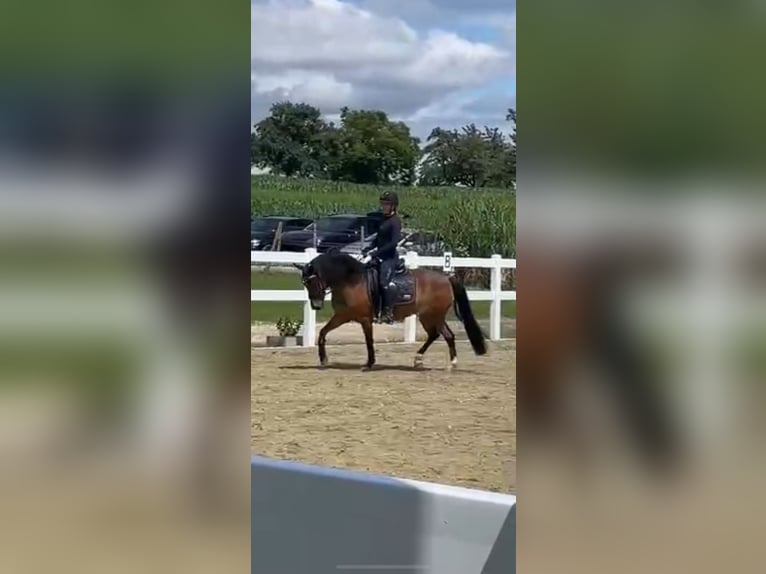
447 267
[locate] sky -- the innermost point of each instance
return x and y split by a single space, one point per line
427 62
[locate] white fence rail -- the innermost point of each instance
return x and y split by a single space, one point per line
322 520
495 295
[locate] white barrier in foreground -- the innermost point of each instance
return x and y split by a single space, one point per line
496 295
316 520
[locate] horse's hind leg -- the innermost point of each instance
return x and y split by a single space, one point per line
433 334
449 336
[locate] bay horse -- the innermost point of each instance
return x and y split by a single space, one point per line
584 321
349 281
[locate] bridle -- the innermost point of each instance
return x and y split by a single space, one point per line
322 285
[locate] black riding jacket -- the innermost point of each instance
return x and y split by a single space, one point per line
388 237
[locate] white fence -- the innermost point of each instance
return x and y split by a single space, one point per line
495 295
322 520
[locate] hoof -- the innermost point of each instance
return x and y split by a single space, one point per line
323 364
453 364
367 368
418 362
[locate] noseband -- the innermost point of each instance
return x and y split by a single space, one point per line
322 286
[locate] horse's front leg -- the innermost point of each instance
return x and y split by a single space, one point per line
367 328
334 322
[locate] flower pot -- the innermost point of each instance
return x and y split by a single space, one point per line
280 341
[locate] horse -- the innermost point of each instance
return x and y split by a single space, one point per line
560 326
422 292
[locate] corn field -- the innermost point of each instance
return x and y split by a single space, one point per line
475 222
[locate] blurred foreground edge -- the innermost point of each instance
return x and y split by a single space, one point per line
124 362
639 380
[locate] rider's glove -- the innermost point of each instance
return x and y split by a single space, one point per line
372 252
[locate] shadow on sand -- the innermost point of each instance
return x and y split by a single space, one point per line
358 367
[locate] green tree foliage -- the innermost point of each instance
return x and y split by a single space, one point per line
511 117
470 157
288 141
370 148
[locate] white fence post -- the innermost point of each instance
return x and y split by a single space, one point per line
495 307
309 315
410 323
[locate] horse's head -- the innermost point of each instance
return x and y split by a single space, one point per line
313 284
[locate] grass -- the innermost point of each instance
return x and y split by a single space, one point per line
270 312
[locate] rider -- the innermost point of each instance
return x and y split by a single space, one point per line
384 247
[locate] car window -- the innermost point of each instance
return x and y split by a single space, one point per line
331 224
295 224
263 225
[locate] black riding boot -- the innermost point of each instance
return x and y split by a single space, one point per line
387 312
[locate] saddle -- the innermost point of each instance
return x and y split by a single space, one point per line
404 285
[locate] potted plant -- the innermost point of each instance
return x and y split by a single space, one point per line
288 333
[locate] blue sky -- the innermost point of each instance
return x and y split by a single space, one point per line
427 62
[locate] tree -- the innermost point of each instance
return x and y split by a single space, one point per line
370 148
289 140
511 117
511 161
438 167
455 157
470 156
254 151
500 159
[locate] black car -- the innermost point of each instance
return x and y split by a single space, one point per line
263 229
425 243
332 232
421 242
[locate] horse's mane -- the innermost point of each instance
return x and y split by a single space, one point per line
337 269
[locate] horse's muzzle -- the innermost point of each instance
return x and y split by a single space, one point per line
316 305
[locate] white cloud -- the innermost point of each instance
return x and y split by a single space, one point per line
450 107
445 59
509 28
331 53
439 12
458 109
322 89
325 33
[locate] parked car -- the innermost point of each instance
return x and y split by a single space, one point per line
332 232
355 247
425 243
263 229
421 242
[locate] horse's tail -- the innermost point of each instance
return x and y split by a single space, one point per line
465 314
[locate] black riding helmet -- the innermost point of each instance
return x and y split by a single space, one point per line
389 197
